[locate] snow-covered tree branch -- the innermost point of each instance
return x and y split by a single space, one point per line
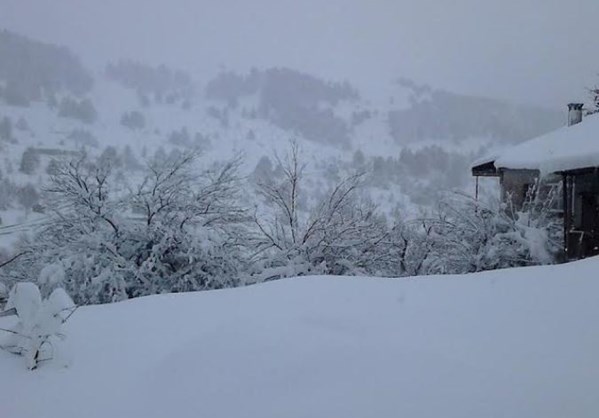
335 236
179 229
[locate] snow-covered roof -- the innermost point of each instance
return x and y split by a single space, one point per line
489 158
567 148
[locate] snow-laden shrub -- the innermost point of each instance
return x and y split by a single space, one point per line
39 322
407 248
177 230
470 236
181 229
340 235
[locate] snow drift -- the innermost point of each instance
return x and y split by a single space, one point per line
517 343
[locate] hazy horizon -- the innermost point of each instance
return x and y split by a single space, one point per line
533 51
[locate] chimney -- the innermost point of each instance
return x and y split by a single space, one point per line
574 113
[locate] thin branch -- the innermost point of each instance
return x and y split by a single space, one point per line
14 258
14 332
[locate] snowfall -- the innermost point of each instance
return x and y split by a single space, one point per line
511 343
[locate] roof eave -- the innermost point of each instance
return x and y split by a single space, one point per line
486 169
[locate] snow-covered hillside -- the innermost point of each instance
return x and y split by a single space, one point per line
510 343
414 139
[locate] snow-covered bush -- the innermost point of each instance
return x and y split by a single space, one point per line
594 95
39 322
469 236
340 235
408 249
182 229
178 229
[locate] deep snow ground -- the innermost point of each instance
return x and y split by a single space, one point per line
512 343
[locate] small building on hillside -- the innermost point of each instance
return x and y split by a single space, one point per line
568 158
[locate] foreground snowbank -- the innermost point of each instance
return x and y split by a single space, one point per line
513 343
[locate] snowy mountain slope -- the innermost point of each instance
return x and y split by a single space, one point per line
219 129
511 343
141 110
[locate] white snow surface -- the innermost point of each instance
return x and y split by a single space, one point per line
567 148
511 343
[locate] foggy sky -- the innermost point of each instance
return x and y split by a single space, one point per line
540 51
